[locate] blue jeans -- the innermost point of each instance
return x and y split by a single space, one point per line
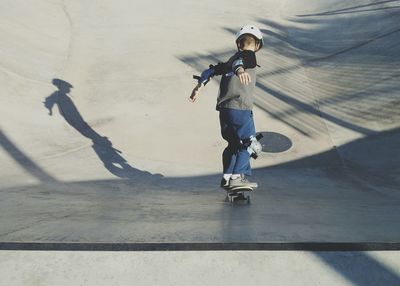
236 125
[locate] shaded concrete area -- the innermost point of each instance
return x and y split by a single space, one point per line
194 210
301 201
351 265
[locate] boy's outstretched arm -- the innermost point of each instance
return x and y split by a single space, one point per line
205 77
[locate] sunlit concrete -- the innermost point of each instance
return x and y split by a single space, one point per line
198 268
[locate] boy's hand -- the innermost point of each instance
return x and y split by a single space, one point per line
243 76
195 92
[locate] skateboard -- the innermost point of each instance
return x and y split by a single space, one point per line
238 194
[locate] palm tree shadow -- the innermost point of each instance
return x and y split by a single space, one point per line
103 147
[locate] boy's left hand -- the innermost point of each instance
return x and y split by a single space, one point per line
244 77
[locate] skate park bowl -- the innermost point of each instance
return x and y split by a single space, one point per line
99 144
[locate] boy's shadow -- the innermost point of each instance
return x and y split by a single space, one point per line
103 147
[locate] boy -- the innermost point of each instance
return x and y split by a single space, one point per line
235 103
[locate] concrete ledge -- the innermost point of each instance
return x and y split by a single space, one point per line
295 246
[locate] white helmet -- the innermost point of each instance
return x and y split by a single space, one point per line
252 30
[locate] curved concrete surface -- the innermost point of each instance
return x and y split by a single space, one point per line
100 144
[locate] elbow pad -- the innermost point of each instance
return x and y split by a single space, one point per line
212 71
206 76
219 69
246 60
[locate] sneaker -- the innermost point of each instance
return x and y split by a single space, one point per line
224 183
242 182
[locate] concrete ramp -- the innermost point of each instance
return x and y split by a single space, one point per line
99 143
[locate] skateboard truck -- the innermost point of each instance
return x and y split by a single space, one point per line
239 194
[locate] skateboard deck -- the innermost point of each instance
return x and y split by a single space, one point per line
237 194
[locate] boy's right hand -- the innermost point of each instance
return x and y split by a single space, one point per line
195 92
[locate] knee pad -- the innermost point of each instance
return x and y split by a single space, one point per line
252 145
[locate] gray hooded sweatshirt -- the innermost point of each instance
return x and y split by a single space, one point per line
232 93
